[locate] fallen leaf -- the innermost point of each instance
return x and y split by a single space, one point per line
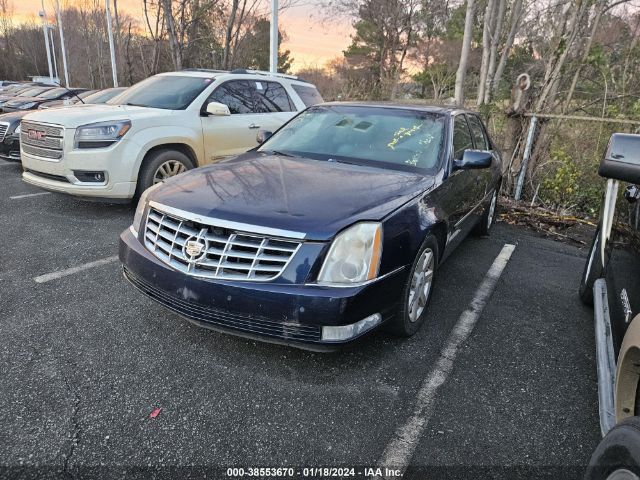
155 412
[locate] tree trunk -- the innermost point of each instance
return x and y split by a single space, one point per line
491 68
464 53
486 46
516 19
174 45
227 37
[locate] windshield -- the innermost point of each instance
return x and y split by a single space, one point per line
53 93
102 96
386 137
170 92
32 92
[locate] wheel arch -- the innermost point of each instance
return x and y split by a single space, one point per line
180 147
439 230
628 372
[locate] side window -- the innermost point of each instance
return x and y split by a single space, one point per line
271 97
308 94
236 94
461 137
479 138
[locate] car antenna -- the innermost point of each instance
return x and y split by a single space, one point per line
70 91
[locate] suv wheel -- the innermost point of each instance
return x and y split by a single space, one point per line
159 166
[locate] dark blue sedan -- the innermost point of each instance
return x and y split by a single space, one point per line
334 226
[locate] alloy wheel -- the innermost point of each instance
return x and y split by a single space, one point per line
168 169
622 474
420 288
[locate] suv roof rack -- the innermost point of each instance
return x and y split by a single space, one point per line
268 74
205 70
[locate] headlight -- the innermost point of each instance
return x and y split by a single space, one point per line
100 135
27 106
142 203
354 255
18 129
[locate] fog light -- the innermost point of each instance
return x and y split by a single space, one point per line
86 176
346 332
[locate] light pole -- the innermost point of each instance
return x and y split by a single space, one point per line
53 52
114 69
273 40
43 16
64 50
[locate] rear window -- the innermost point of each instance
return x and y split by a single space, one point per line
308 94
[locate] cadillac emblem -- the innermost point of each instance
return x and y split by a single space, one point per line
193 249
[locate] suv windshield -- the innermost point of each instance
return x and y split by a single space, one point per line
170 92
379 136
53 93
33 92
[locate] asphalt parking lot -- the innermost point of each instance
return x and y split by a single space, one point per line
85 360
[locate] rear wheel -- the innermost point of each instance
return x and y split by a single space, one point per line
488 216
417 291
592 271
161 165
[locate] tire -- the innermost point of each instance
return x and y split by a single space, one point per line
488 216
408 320
160 165
592 271
617 457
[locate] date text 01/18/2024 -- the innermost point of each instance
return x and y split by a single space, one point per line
310 472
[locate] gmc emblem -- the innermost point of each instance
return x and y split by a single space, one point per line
35 134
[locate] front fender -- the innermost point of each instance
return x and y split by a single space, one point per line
628 372
162 135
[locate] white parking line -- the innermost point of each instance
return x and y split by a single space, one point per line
47 277
399 451
16 197
3 164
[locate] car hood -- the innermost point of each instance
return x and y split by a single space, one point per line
88 113
13 117
314 197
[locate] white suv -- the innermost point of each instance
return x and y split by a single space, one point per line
158 128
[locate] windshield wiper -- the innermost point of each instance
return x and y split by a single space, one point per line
278 152
129 104
70 91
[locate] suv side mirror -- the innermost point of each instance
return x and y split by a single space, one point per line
472 159
621 160
263 136
217 109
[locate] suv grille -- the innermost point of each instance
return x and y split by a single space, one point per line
3 130
45 142
215 252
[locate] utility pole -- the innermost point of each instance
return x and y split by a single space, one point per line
114 68
273 63
53 52
43 15
64 50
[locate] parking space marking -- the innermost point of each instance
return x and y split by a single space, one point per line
26 195
47 277
399 451
4 164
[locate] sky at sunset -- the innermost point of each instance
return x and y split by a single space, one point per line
312 41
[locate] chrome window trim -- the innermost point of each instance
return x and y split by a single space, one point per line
231 225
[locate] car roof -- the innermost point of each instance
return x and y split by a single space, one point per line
239 73
439 109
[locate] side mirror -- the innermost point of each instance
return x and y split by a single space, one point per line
263 136
218 109
473 159
621 160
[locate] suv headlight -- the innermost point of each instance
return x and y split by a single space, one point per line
354 255
100 135
142 204
18 129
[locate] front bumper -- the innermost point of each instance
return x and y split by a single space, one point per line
116 162
278 312
10 148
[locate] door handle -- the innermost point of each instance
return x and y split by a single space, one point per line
253 125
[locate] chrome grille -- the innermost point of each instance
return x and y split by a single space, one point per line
3 130
49 145
225 254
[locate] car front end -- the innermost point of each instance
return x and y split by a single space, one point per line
257 282
10 137
85 161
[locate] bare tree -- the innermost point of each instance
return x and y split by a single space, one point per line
464 53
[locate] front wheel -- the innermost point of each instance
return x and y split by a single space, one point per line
161 165
417 291
617 457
